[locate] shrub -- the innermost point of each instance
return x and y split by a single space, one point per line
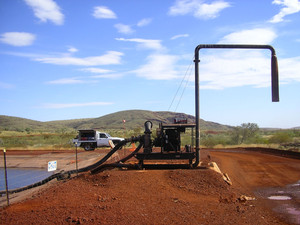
280 137
213 140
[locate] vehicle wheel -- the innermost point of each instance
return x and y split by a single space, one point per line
89 147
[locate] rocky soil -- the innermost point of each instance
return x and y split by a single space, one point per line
194 196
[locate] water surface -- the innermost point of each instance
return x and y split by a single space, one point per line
20 177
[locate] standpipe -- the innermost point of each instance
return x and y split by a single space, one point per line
274 81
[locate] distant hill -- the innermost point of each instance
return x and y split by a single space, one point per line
133 118
17 123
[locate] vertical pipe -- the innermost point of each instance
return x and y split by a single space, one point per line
5 172
197 111
275 81
274 78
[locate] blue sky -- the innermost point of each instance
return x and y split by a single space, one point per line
83 59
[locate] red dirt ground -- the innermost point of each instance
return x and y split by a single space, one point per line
196 196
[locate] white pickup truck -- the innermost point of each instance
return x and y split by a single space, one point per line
91 139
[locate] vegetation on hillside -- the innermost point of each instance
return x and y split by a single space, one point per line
249 134
29 134
240 136
134 119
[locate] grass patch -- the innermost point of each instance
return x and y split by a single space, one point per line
62 139
13 139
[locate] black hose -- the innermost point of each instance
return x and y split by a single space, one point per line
113 165
90 167
118 163
46 180
67 174
131 154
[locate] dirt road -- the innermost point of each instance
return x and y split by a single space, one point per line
266 176
253 169
198 196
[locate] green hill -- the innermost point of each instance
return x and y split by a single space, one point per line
20 124
134 119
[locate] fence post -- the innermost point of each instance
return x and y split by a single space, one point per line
5 173
76 159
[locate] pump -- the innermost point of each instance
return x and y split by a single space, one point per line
169 140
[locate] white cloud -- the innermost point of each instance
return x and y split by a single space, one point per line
144 43
108 76
102 12
72 105
96 70
198 8
26 54
72 80
289 70
72 49
159 67
289 7
46 10
179 36
144 22
124 29
251 36
102 73
234 68
17 38
111 57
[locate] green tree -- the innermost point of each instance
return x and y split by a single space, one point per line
244 133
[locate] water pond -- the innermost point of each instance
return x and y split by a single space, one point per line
20 177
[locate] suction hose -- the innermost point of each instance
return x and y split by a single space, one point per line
67 174
118 163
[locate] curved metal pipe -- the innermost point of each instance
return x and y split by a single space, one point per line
274 81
